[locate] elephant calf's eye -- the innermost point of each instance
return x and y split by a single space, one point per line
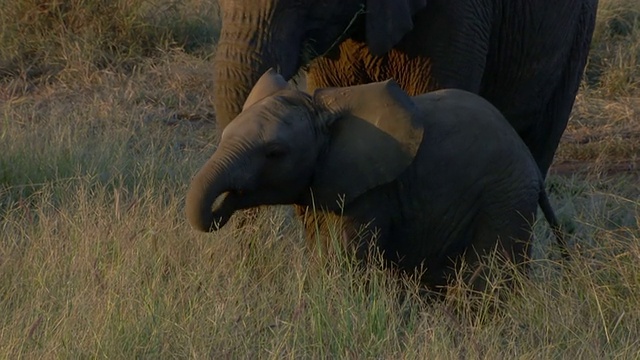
275 151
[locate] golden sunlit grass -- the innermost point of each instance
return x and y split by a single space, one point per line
97 260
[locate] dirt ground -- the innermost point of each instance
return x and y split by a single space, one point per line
569 167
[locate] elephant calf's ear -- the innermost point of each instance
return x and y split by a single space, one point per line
374 136
269 83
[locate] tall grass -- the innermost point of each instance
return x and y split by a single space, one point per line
604 129
96 259
66 39
613 67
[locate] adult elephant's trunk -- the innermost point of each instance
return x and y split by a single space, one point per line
245 51
213 180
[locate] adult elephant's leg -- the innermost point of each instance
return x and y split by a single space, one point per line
543 137
448 48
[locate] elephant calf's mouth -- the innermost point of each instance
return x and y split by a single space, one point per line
224 206
220 211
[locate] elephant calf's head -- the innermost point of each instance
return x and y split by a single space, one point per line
288 147
265 156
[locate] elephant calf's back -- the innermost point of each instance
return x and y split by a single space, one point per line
481 179
465 126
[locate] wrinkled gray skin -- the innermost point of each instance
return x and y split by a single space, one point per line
525 57
419 172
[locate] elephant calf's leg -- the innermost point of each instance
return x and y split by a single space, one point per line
498 254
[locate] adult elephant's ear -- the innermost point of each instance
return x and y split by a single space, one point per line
269 83
374 135
388 21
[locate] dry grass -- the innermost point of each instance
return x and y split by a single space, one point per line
96 259
613 68
603 135
43 41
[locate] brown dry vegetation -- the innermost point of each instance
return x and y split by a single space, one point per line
603 135
106 113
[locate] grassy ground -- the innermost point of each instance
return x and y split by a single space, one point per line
96 259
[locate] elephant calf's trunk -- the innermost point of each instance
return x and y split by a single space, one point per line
205 188
198 208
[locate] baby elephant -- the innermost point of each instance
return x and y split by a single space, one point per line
436 178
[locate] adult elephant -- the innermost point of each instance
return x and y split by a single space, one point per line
526 57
